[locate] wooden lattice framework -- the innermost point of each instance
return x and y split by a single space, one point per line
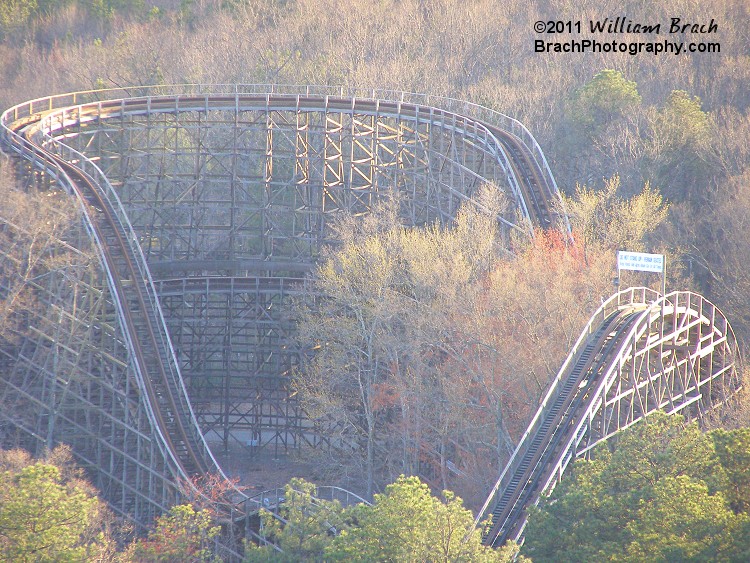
223 196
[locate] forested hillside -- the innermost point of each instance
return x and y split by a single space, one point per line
651 151
679 122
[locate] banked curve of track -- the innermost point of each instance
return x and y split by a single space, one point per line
157 372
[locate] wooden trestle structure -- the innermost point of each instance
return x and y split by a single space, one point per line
203 207
202 210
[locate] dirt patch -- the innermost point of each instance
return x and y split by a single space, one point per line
259 472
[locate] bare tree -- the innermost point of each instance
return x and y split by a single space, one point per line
32 225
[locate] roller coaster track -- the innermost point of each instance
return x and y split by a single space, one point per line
640 352
539 457
592 396
30 129
537 191
169 402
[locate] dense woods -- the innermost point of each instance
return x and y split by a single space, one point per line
433 345
679 123
652 153
49 511
662 491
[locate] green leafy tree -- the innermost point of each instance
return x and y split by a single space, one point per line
680 154
408 523
307 526
605 98
183 534
661 446
683 123
658 494
681 521
733 450
47 513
